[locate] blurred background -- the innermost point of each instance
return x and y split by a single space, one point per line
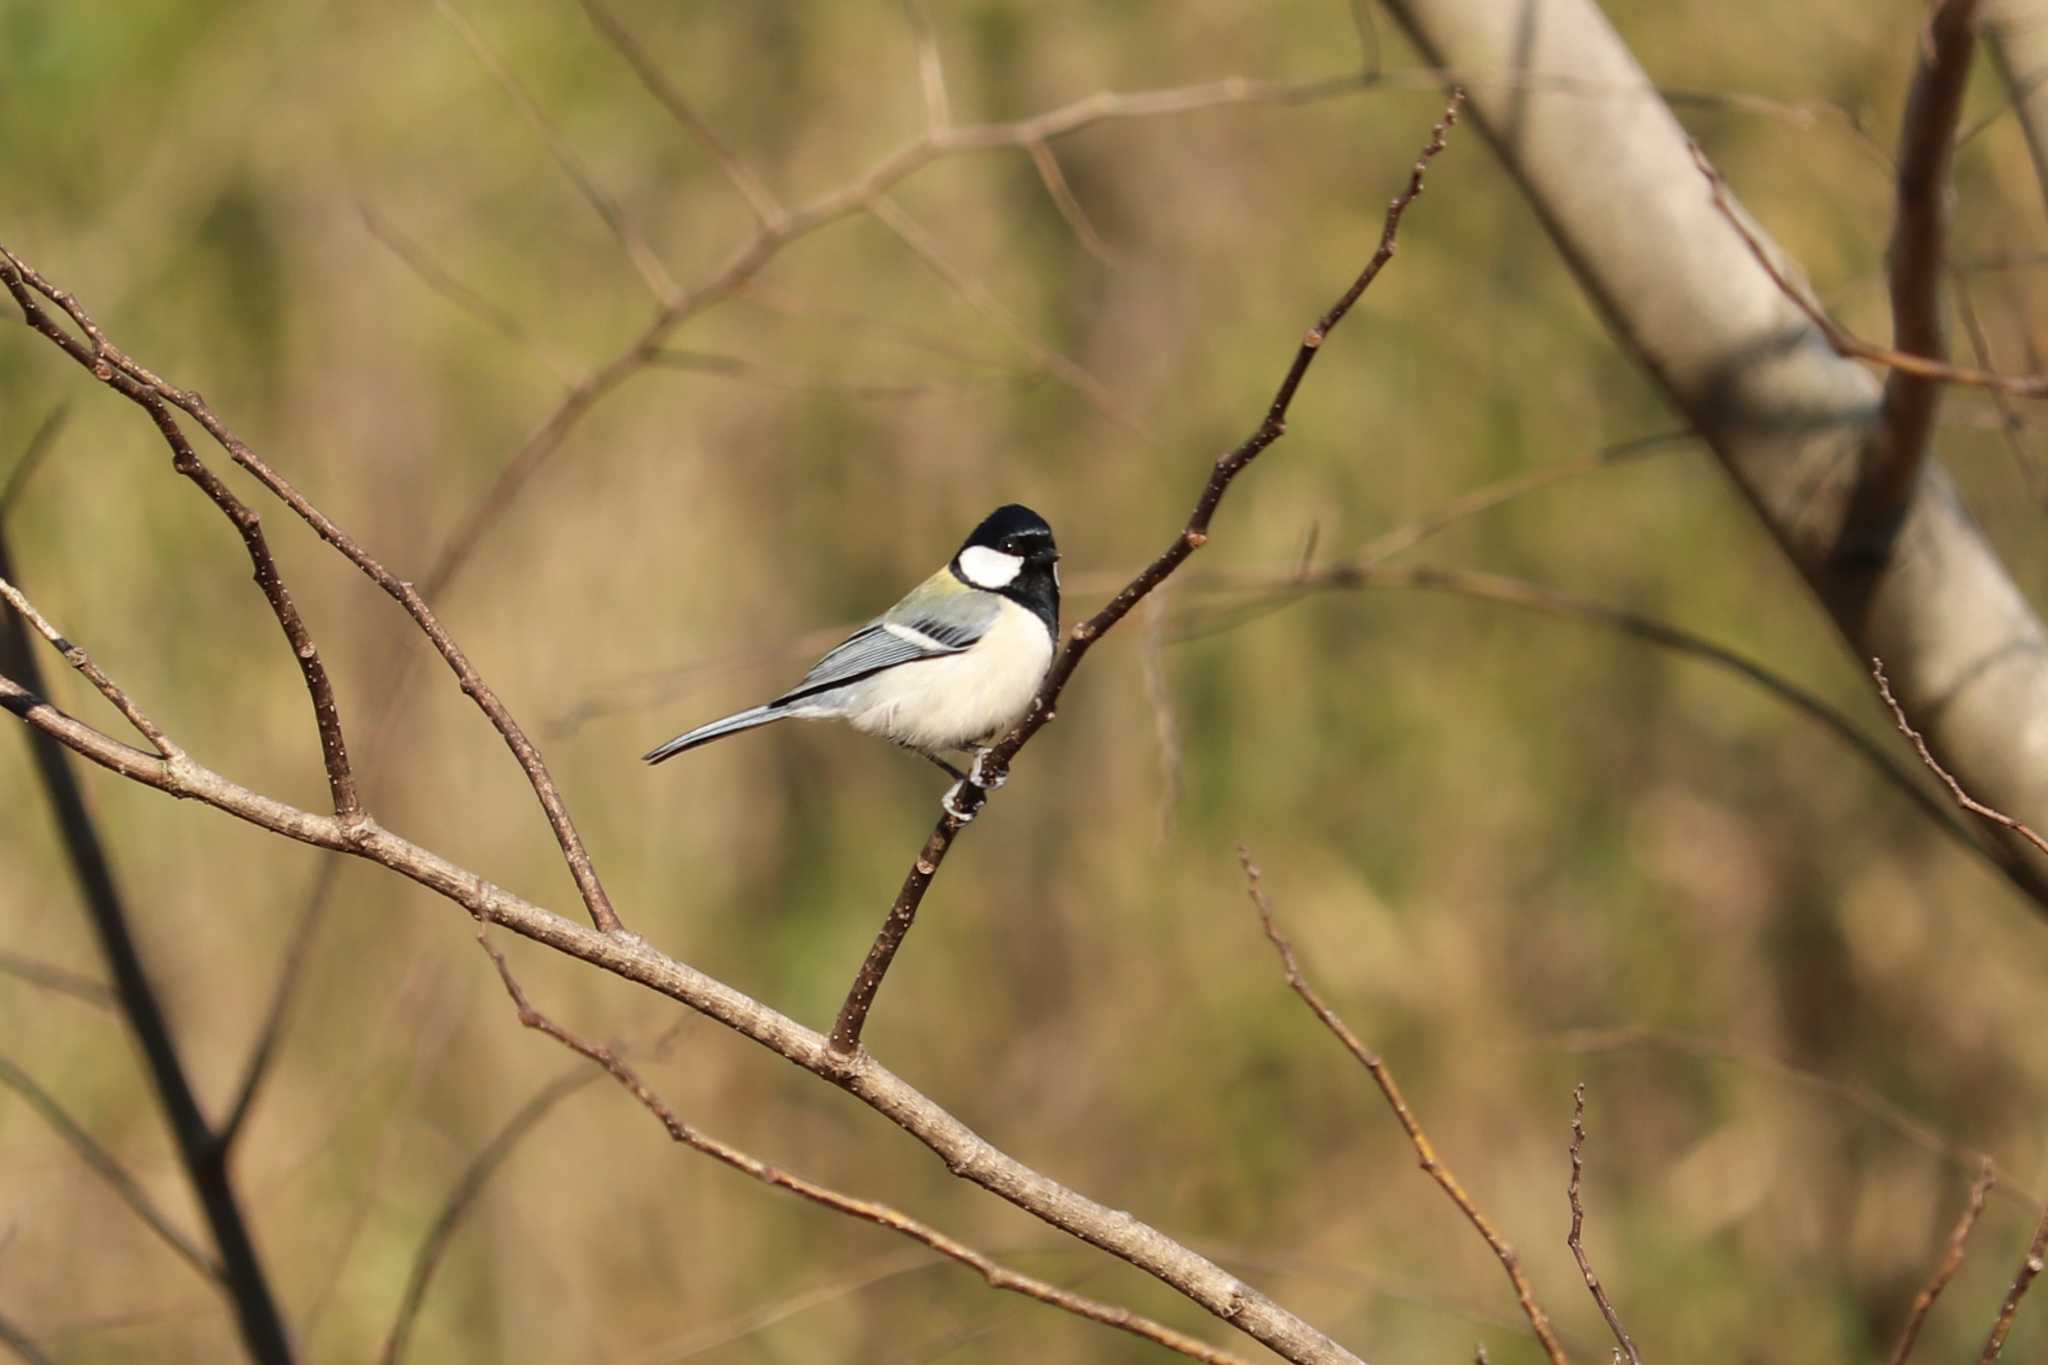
1516 850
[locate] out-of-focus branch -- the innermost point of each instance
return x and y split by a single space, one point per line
109 1169
995 763
1276 589
997 1275
2031 1265
1573 1241
31 458
58 979
653 273
767 211
1951 1261
1917 264
2016 34
463 1197
1844 342
241 1276
1789 418
118 371
1425 1150
23 1345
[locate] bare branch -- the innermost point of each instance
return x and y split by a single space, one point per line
846 1029
1047 163
39 444
114 368
58 979
998 1276
1955 788
468 1188
23 1346
110 1169
1919 241
1578 1220
652 272
1923 1302
1425 1151
983 300
965 1152
767 211
270 1033
80 660
242 1277
1847 343
2030 1266
931 72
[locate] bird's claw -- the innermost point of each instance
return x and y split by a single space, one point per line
950 802
981 778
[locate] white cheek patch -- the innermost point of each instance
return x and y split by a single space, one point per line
991 569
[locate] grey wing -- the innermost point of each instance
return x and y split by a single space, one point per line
903 636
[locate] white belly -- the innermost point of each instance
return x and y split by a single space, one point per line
962 700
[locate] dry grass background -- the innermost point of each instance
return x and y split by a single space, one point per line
1489 832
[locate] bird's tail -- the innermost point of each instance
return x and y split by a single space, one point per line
717 729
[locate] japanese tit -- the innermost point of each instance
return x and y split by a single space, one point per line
950 667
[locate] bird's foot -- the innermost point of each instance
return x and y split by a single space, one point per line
950 803
981 777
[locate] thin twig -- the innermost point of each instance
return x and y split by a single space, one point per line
846 1029
1425 1151
137 385
1955 788
997 1275
2030 1266
109 1168
768 213
645 261
270 1033
463 1196
80 660
118 371
1845 342
1047 163
31 458
1578 1222
983 300
59 979
1951 1261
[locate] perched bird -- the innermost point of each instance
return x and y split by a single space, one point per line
950 667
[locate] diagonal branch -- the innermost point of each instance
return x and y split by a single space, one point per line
1425 1151
1951 1261
2031 1265
966 1153
465 1194
242 1276
1578 1247
132 381
860 997
110 1169
1919 243
882 1215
